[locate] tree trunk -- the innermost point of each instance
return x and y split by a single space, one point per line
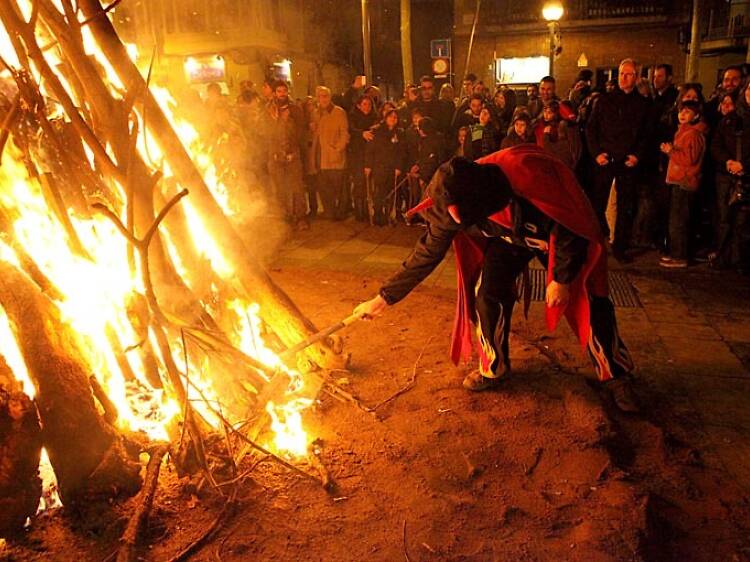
20 449
87 454
276 308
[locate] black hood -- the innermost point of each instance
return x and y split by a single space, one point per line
478 190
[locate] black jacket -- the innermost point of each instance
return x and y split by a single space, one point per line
435 109
386 152
724 142
358 124
431 153
441 229
619 125
512 139
663 104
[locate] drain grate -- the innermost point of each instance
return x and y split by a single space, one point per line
621 291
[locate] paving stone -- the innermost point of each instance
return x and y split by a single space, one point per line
685 331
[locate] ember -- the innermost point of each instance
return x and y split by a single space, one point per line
179 326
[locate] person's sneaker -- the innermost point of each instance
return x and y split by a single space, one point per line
673 263
475 382
621 391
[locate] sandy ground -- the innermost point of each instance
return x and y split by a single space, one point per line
542 468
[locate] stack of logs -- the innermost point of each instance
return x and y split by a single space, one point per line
92 459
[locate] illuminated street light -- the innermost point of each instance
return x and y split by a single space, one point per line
552 12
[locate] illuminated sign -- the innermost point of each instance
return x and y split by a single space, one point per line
440 66
201 69
522 70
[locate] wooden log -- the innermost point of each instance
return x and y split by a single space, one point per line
86 453
20 450
277 309
129 550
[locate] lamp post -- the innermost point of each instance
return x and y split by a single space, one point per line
552 12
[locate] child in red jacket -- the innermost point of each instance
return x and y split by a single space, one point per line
684 176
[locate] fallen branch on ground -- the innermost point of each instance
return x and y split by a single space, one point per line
409 385
129 550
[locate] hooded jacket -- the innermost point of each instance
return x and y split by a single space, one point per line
550 187
686 156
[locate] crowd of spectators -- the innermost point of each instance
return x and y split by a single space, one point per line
674 160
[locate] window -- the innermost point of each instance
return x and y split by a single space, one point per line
522 70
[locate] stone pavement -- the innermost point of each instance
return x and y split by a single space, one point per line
690 339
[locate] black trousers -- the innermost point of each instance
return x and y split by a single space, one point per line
625 187
733 227
679 222
331 185
496 295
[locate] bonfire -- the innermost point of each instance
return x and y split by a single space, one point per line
133 318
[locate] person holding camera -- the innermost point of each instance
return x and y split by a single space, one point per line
617 136
685 154
730 150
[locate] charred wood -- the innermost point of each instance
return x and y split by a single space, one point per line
20 449
86 453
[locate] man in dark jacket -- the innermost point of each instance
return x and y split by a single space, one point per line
617 134
500 213
429 105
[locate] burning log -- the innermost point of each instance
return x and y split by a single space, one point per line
20 450
87 454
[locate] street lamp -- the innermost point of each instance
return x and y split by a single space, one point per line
552 12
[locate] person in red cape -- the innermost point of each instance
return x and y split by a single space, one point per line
499 213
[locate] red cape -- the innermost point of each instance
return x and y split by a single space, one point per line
550 186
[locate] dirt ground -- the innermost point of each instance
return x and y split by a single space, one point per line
539 469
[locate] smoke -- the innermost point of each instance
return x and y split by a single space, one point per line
232 136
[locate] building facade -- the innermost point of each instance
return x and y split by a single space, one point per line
512 40
199 41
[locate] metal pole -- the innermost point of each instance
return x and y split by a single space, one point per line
366 46
406 59
471 37
551 27
695 44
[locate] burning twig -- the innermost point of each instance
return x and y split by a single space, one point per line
143 244
15 25
412 380
110 410
129 550
10 118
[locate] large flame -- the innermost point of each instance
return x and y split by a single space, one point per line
96 288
